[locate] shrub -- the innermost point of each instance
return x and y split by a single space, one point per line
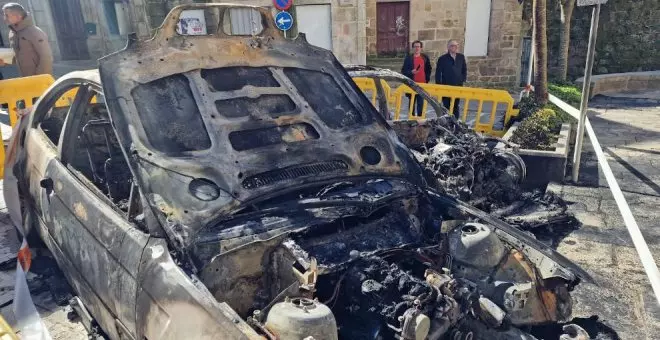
539 131
528 106
566 92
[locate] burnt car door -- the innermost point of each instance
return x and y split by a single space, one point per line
40 142
89 212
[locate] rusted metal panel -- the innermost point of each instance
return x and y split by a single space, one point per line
392 27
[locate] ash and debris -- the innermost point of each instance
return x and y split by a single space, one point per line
387 290
373 292
465 165
335 245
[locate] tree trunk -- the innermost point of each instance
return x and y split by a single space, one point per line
541 47
567 7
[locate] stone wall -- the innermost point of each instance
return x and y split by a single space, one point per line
349 39
501 68
628 37
104 41
623 82
370 27
434 22
157 10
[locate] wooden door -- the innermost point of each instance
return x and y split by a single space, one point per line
392 28
70 28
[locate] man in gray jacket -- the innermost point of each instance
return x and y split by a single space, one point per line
32 53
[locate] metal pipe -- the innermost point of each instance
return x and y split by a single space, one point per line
530 67
586 87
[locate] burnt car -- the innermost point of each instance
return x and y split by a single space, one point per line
238 185
393 93
385 81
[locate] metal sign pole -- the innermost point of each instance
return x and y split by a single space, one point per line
586 87
532 51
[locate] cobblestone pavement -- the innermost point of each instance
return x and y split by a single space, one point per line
629 133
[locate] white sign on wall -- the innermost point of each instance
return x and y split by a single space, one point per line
315 22
477 27
191 22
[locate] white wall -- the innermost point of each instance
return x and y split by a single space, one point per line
477 27
316 22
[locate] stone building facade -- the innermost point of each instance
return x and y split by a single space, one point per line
434 22
352 29
341 21
102 25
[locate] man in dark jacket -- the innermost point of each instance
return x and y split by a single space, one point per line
451 70
417 66
32 53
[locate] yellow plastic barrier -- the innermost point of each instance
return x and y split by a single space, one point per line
6 332
367 85
28 90
397 99
497 99
481 96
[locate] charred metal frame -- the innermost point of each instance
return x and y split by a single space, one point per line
166 296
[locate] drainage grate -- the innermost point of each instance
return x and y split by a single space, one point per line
270 177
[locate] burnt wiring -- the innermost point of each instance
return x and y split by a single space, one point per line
335 293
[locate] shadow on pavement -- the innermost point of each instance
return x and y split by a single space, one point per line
621 103
630 148
649 182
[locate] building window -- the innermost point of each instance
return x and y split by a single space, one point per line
477 28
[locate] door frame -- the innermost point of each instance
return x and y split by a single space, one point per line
407 35
62 45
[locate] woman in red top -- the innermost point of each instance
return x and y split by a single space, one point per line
417 67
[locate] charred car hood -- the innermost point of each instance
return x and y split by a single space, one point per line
218 121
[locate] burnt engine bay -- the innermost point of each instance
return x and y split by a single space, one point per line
400 267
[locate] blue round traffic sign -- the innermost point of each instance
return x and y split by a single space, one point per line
282 5
283 21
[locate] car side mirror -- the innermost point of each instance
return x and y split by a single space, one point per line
46 183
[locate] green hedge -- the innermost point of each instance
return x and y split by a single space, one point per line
538 131
571 94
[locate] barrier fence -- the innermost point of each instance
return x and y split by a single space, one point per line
26 91
491 110
645 255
